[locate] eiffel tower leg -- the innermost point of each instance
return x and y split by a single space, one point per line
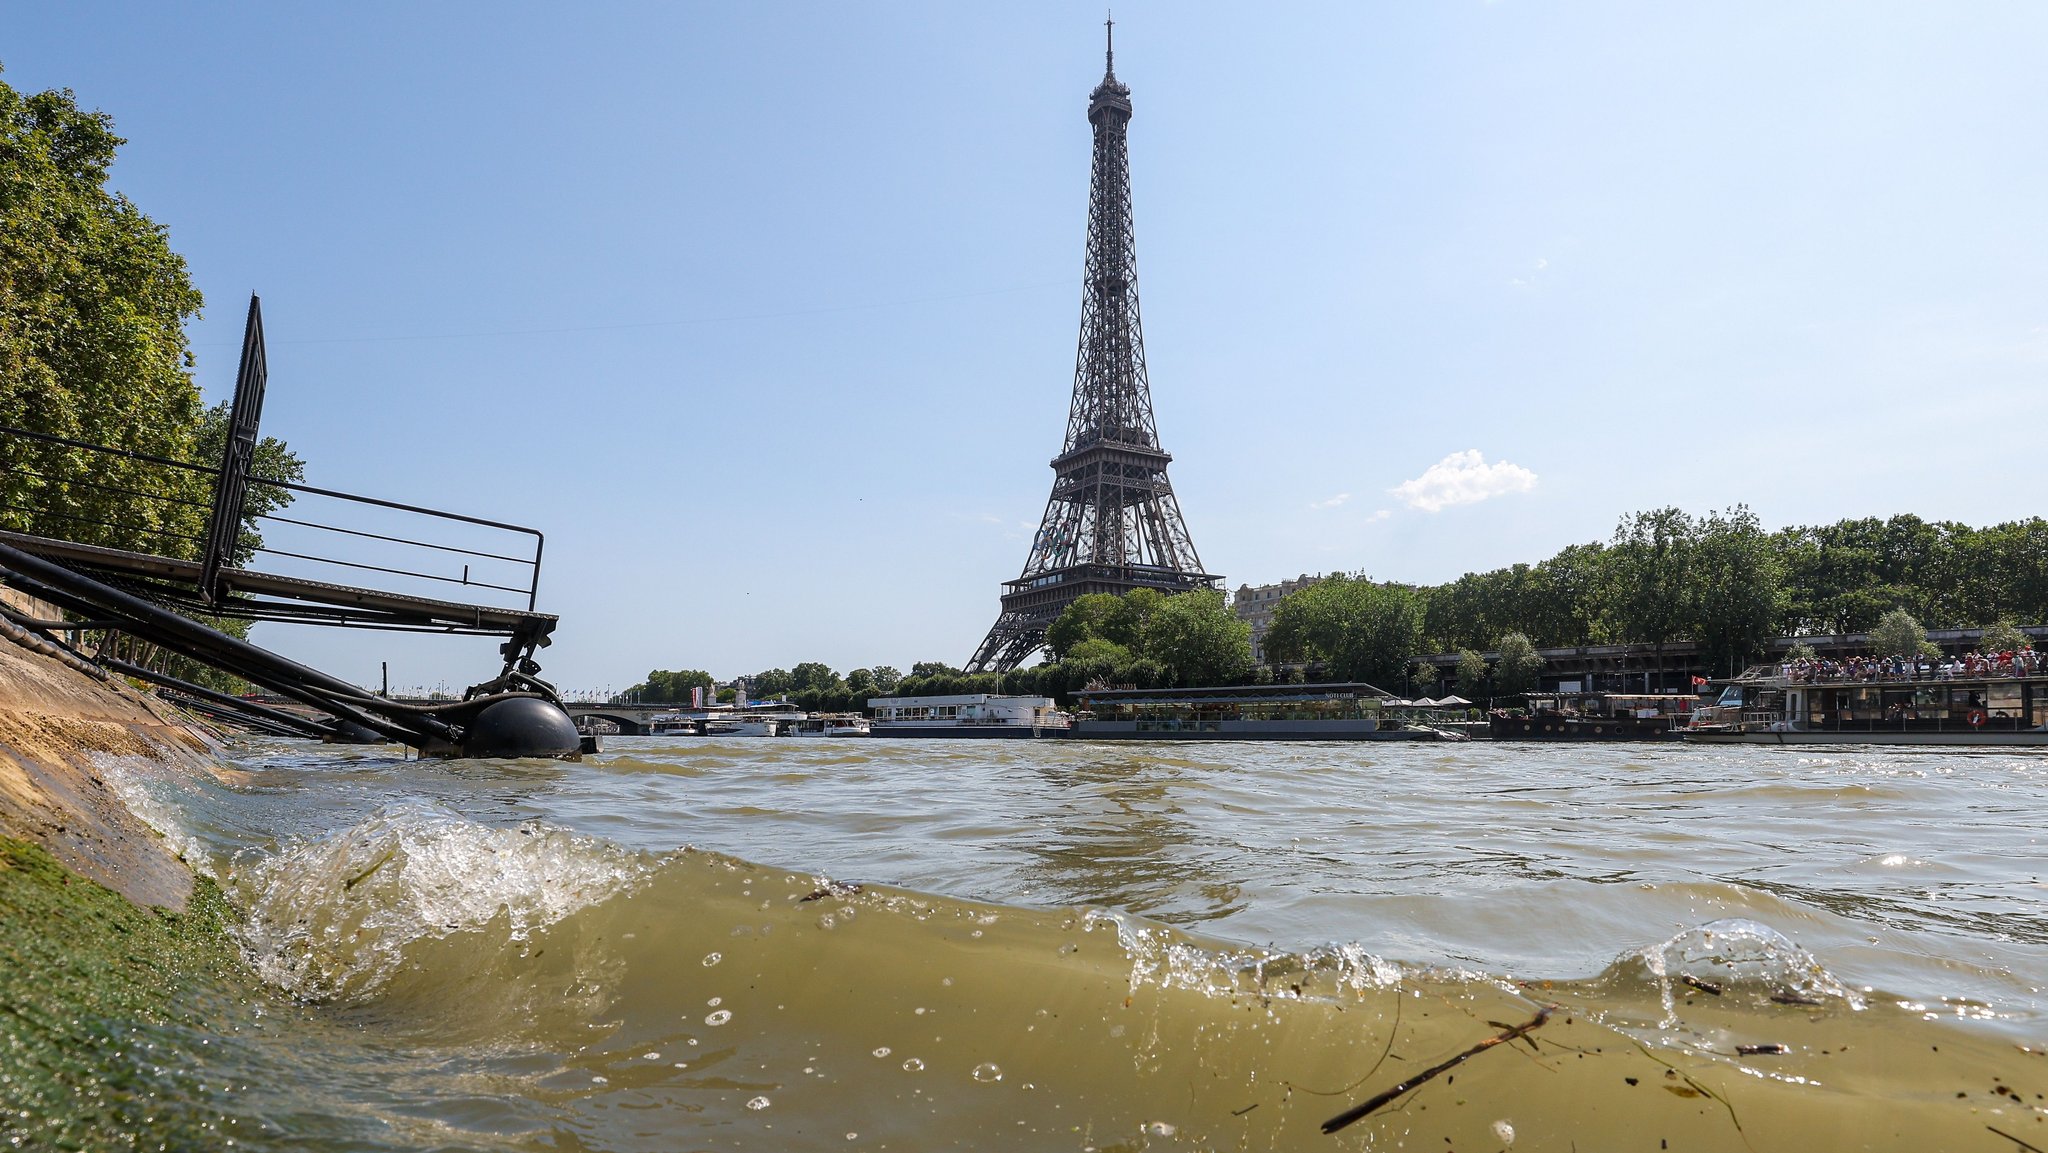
1012 638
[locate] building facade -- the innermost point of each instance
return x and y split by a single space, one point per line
1255 604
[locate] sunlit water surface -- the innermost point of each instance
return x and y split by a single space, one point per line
1070 945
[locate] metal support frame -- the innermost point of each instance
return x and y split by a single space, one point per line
1112 523
237 458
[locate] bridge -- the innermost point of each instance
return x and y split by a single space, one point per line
633 720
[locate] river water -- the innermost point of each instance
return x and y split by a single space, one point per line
689 943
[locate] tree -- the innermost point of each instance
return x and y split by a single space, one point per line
1897 635
1735 593
664 686
1645 577
1519 664
772 683
1471 674
1358 629
93 305
1423 676
1196 640
1094 616
2003 637
273 461
886 679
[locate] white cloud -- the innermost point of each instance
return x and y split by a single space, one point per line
1463 478
1333 502
1379 514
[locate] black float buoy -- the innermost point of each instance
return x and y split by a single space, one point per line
522 727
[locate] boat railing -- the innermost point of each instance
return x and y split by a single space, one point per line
1911 677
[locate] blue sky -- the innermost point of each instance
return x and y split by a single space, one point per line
766 313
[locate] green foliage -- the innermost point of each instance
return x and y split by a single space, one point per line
1519 665
1356 629
665 686
1471 674
1195 640
1897 634
93 305
1149 640
1423 678
2004 636
1800 651
273 461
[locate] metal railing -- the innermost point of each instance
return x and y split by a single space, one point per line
463 551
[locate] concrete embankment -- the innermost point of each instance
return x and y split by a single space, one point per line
55 723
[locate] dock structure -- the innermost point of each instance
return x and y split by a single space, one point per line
159 598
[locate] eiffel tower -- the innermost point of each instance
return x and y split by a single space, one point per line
1112 523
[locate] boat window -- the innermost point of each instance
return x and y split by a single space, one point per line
2002 700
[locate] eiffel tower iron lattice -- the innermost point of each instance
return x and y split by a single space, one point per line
1112 523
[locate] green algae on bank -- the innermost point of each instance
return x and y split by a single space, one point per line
102 1003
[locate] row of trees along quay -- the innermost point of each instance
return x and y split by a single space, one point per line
1719 581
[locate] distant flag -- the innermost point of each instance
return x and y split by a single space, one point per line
697 696
1699 682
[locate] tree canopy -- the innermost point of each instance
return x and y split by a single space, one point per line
93 305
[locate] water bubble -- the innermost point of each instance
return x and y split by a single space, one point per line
653 1057
1069 947
975 933
718 1018
600 1080
711 959
826 922
946 981
1504 1132
913 1066
1159 1127
920 1010
757 1103
852 1136
714 1002
987 1073
883 1051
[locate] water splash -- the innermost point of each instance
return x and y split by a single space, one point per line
330 919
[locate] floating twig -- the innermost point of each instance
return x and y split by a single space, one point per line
2015 1140
1755 1050
1513 1033
1707 987
359 878
1794 999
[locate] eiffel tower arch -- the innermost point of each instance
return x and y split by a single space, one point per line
1112 523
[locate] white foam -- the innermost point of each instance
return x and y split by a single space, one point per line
331 918
1159 958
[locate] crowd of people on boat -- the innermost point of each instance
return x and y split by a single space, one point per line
2011 663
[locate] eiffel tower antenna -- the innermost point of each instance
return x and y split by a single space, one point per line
1112 523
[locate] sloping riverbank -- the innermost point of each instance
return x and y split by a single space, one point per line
54 720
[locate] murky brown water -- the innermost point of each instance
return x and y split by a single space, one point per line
1064 945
